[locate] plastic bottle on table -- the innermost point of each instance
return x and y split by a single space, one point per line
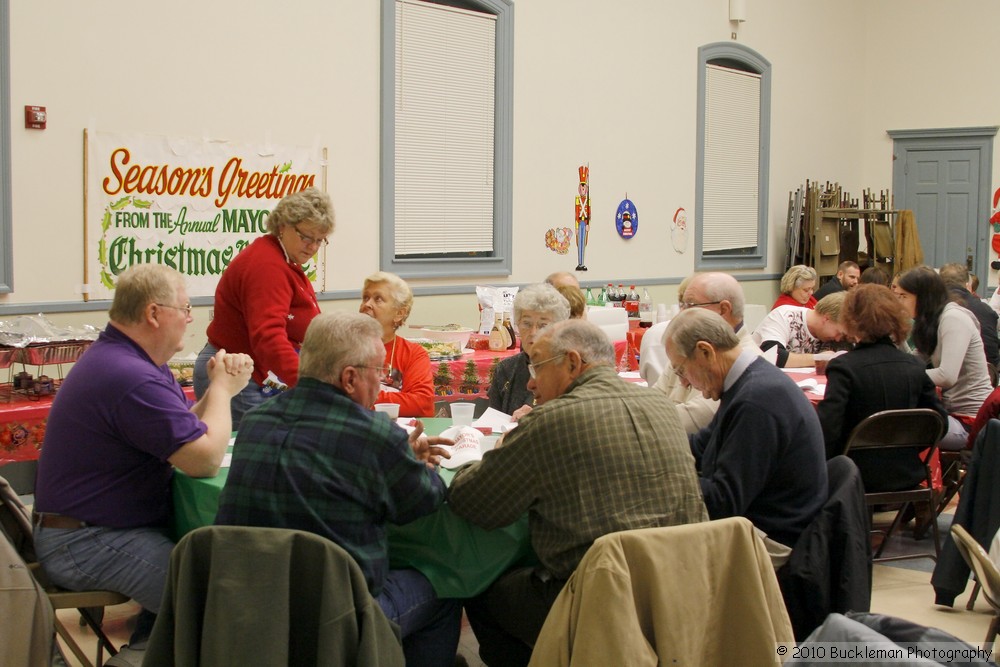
511 338
645 309
591 301
632 304
496 337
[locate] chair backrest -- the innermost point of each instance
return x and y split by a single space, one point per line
985 569
753 314
318 608
916 427
652 354
621 607
612 321
15 522
25 613
831 564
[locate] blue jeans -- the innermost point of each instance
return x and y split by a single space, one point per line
131 561
430 626
250 397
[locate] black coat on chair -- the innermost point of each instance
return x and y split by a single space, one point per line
830 569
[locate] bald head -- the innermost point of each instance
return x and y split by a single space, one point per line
719 292
560 278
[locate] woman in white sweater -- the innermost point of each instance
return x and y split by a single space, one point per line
947 336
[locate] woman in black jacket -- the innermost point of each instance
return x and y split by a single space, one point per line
875 376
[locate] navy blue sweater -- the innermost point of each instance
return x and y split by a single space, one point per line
762 455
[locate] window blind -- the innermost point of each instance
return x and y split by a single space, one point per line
732 159
444 102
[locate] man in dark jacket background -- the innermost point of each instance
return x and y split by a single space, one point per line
956 277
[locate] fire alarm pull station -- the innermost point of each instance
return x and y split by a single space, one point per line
34 117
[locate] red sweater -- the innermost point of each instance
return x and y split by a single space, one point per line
263 304
786 300
416 396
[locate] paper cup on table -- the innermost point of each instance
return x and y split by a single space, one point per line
462 413
822 359
391 409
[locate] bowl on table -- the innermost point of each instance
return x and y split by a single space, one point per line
446 334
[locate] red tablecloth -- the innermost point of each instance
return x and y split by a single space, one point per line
468 377
22 425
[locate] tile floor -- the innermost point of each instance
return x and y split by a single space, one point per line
902 589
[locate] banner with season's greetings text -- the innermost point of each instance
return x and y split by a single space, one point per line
191 204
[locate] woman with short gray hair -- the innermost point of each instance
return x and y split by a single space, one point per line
264 300
535 307
797 287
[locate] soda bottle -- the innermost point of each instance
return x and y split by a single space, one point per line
591 301
511 338
632 304
645 309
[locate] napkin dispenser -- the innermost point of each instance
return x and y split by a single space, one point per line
612 321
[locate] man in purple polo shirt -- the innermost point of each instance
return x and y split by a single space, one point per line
118 427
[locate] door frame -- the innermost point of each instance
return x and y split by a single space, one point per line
944 139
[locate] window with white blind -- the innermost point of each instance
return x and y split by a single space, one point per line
446 137
734 86
6 250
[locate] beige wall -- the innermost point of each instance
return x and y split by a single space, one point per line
611 83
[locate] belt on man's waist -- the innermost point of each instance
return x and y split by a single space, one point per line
46 520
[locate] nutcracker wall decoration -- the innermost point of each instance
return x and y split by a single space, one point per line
582 216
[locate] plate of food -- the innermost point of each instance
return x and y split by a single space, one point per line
439 350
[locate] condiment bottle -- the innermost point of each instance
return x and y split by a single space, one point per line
510 331
496 337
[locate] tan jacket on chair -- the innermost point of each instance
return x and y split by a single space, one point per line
700 594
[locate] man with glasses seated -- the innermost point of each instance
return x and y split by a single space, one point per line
722 294
118 427
535 307
317 458
596 455
762 456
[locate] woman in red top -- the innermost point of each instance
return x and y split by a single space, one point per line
797 287
264 300
408 379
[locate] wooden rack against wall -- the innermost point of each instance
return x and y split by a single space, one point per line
824 227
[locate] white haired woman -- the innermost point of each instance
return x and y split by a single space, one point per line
407 376
535 307
797 287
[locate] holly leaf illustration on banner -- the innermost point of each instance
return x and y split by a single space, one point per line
141 203
106 280
102 252
106 221
285 167
121 203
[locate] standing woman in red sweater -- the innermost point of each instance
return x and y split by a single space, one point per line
408 379
264 300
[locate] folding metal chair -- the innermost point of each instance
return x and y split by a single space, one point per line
15 522
919 429
987 576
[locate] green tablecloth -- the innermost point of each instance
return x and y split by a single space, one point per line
459 559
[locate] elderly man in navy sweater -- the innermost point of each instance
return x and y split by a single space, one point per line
762 455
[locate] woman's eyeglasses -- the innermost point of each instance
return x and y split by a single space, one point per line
309 240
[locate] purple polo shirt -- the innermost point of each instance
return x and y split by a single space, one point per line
115 420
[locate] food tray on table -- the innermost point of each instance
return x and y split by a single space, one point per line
63 352
8 355
439 350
